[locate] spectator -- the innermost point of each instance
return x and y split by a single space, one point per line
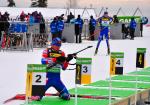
126 30
70 17
0 16
0 25
39 16
31 20
42 23
62 16
115 19
60 27
35 14
5 23
6 16
92 25
53 27
22 16
141 28
27 17
132 28
78 29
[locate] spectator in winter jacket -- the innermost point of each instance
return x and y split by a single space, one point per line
141 28
92 25
60 27
31 20
35 14
22 16
0 25
126 30
5 24
132 28
70 17
53 27
78 29
115 19
6 16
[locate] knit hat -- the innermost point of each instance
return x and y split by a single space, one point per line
56 42
105 12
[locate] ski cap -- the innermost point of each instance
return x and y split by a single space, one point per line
56 42
105 12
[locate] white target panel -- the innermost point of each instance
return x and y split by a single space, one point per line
38 78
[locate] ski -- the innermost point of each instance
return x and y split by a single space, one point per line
16 97
23 96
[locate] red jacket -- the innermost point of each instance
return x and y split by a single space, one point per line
50 56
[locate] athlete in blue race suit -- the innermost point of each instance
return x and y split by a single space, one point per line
104 22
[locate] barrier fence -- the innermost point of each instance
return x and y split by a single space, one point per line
16 35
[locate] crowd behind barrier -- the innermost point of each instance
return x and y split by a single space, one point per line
23 33
34 29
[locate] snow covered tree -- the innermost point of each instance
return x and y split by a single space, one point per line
11 3
38 3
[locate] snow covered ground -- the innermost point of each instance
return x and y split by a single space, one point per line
13 65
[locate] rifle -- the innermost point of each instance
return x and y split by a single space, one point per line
61 59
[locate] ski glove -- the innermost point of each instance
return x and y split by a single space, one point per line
50 65
69 57
61 59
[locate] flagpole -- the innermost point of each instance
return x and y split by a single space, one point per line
110 88
136 86
110 83
76 100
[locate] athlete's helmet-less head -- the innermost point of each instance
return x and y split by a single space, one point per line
105 14
56 43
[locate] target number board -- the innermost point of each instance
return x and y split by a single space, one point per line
83 70
116 63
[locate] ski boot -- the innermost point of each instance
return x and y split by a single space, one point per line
108 51
35 98
65 96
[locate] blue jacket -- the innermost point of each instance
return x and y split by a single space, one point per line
133 24
93 22
60 25
31 20
53 27
79 21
